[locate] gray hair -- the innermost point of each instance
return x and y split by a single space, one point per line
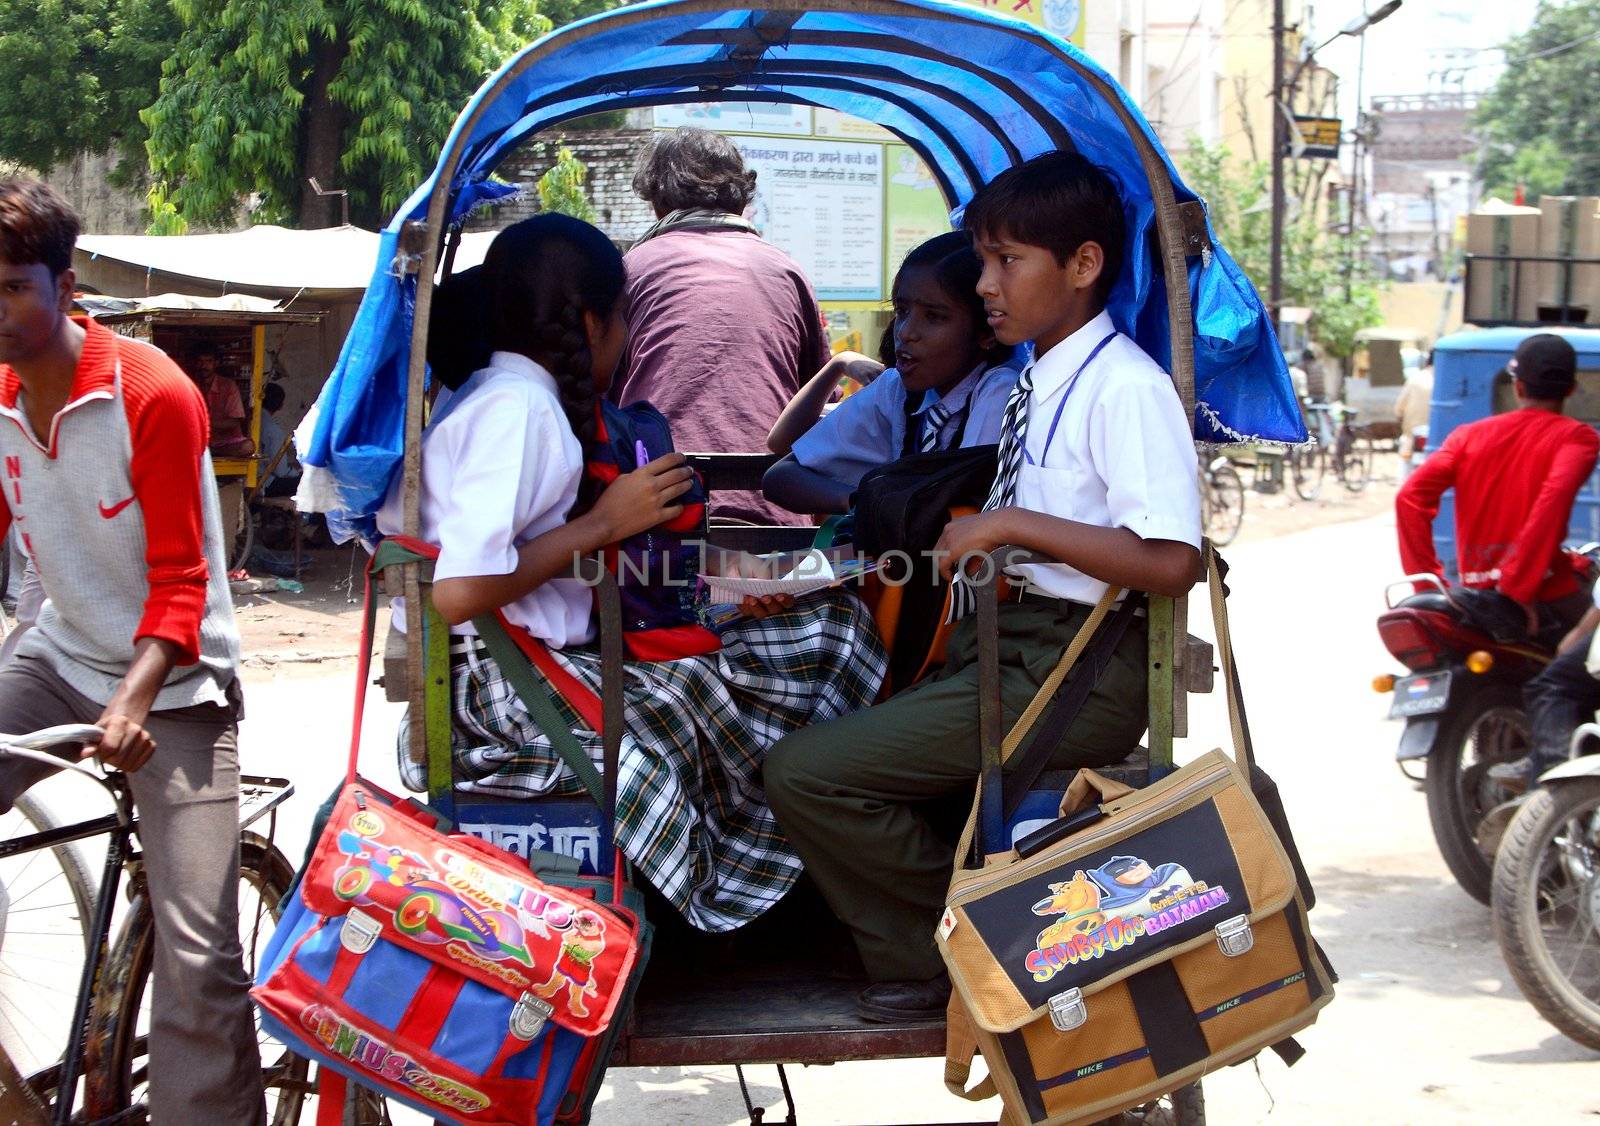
691 167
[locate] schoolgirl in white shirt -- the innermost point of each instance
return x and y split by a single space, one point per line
506 498
947 389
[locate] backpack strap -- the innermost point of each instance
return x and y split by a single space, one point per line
960 1048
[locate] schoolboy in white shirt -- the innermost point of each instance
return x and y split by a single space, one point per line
1097 471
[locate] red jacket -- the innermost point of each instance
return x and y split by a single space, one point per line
1515 476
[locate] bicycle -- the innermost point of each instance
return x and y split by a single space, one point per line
1334 443
101 1075
1221 499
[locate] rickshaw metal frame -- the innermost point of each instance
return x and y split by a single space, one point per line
421 251
1180 234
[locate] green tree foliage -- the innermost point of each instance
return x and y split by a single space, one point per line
1539 122
561 188
259 95
77 74
1323 270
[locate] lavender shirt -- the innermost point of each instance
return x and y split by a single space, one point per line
723 329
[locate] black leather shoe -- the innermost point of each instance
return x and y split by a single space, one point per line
889 1002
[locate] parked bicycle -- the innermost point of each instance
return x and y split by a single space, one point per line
1221 499
1335 443
53 910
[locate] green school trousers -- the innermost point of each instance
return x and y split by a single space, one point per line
855 795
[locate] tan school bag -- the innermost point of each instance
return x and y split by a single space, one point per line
1116 956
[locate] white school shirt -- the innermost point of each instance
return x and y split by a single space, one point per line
500 466
1122 455
869 428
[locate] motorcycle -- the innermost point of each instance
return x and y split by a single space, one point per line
1461 702
1546 893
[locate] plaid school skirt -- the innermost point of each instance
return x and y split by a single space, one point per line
692 815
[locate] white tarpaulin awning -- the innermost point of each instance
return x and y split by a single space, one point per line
264 257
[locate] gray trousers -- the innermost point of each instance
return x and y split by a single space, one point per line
204 1062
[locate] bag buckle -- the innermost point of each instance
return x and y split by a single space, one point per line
528 1016
360 931
1067 1010
1234 936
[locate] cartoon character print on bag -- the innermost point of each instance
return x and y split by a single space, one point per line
1078 902
423 904
574 968
1129 886
1112 907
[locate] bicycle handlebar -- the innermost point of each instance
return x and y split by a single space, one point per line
54 736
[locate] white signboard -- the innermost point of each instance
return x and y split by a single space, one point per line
736 117
822 202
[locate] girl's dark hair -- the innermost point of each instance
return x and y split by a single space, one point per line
1059 200
956 268
691 167
543 274
458 332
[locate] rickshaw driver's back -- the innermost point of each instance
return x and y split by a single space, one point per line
1097 471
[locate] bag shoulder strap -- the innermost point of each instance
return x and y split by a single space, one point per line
1243 752
513 663
989 777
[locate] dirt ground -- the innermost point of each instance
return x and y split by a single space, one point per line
323 622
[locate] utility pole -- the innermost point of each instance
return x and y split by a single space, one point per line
1283 106
1280 141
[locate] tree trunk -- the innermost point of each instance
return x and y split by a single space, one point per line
322 137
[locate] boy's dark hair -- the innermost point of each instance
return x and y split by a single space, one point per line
36 225
956 268
691 167
1059 201
273 397
542 275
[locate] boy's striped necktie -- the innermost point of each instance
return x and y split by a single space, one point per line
1013 433
933 420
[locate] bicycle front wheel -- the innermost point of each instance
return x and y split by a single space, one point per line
1355 463
117 1076
1225 505
1306 467
47 899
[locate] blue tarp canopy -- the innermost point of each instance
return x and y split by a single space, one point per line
973 93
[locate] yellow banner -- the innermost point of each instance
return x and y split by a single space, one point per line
1059 17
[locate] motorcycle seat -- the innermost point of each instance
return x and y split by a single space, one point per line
1428 600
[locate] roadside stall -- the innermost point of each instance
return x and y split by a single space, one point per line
243 342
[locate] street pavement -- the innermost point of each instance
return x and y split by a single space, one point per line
1427 1027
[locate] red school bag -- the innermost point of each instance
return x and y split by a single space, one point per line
437 969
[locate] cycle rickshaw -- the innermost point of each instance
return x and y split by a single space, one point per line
971 93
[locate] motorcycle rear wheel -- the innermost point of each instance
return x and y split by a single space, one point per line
1489 728
1547 905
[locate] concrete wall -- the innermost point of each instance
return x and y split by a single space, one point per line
609 156
103 208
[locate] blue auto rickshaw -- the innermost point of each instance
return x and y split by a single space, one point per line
972 93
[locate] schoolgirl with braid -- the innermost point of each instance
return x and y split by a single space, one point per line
506 499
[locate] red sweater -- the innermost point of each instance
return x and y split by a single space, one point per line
1515 476
168 430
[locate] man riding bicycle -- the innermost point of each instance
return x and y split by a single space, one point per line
105 474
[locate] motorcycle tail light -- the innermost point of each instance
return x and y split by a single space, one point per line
1411 642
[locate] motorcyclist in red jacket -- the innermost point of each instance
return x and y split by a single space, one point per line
1515 477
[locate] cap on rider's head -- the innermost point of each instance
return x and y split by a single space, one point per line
1546 366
